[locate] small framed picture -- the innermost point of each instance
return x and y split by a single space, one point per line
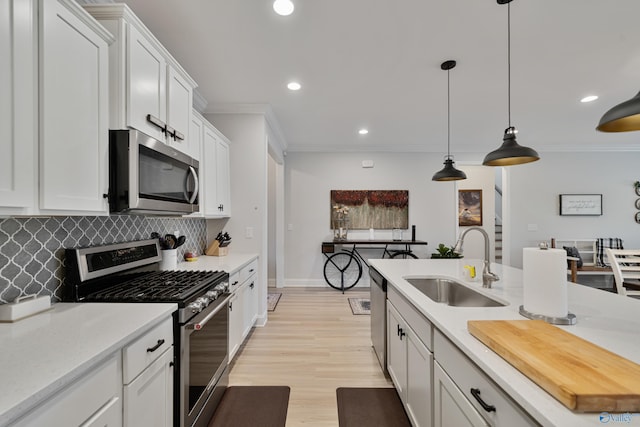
581 204
469 207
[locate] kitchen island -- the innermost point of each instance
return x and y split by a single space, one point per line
605 319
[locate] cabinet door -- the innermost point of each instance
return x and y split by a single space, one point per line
223 190
236 322
208 165
73 112
18 111
110 415
419 377
250 305
146 91
148 400
179 106
397 350
451 407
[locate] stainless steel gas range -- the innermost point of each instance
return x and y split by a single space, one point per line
127 272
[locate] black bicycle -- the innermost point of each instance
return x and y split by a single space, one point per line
343 269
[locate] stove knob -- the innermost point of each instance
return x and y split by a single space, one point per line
196 306
213 294
204 301
222 287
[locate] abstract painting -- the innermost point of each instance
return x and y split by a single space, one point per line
377 209
469 207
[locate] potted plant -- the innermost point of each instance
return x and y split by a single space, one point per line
445 252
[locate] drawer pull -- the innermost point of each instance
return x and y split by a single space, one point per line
251 285
251 270
475 392
155 347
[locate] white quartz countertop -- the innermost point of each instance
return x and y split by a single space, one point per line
230 263
44 353
606 319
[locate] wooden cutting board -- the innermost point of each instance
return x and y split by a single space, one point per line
580 374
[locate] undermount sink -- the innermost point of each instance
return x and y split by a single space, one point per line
452 293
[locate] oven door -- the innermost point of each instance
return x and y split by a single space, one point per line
203 361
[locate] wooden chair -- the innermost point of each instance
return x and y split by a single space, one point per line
625 264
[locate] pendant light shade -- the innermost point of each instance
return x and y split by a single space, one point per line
449 172
623 117
510 152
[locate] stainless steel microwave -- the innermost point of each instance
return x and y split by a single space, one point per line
146 176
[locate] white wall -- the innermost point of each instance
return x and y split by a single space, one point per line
248 166
535 187
309 178
272 224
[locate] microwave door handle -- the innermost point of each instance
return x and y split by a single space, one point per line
192 171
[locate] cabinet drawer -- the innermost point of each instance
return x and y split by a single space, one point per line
142 352
468 376
419 324
234 281
248 270
99 390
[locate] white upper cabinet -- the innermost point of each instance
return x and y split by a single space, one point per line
223 180
179 106
149 90
214 165
146 86
73 110
18 104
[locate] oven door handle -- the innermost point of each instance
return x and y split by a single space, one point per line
199 325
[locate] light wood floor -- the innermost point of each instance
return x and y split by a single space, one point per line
313 344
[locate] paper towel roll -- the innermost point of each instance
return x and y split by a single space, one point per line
545 281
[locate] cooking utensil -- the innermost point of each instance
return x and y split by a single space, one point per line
170 241
180 241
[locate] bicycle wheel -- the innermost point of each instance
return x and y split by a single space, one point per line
404 255
342 271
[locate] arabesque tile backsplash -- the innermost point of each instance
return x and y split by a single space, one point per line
32 249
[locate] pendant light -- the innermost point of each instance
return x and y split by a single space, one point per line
449 172
510 152
623 117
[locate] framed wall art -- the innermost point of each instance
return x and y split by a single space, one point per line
469 207
581 204
378 209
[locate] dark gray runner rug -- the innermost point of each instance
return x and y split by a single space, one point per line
370 407
252 406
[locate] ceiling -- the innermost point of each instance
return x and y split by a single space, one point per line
376 64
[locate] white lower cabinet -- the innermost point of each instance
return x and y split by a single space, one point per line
462 387
93 400
148 399
148 378
450 406
243 305
236 322
409 363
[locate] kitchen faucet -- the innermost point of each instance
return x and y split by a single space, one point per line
488 277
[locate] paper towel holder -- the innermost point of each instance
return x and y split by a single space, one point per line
569 319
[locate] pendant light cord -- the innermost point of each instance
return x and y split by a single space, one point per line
448 114
509 61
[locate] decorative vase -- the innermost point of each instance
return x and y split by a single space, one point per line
340 227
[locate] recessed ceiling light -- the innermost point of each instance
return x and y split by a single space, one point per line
363 131
294 86
589 98
283 7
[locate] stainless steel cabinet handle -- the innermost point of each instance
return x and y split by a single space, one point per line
199 325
